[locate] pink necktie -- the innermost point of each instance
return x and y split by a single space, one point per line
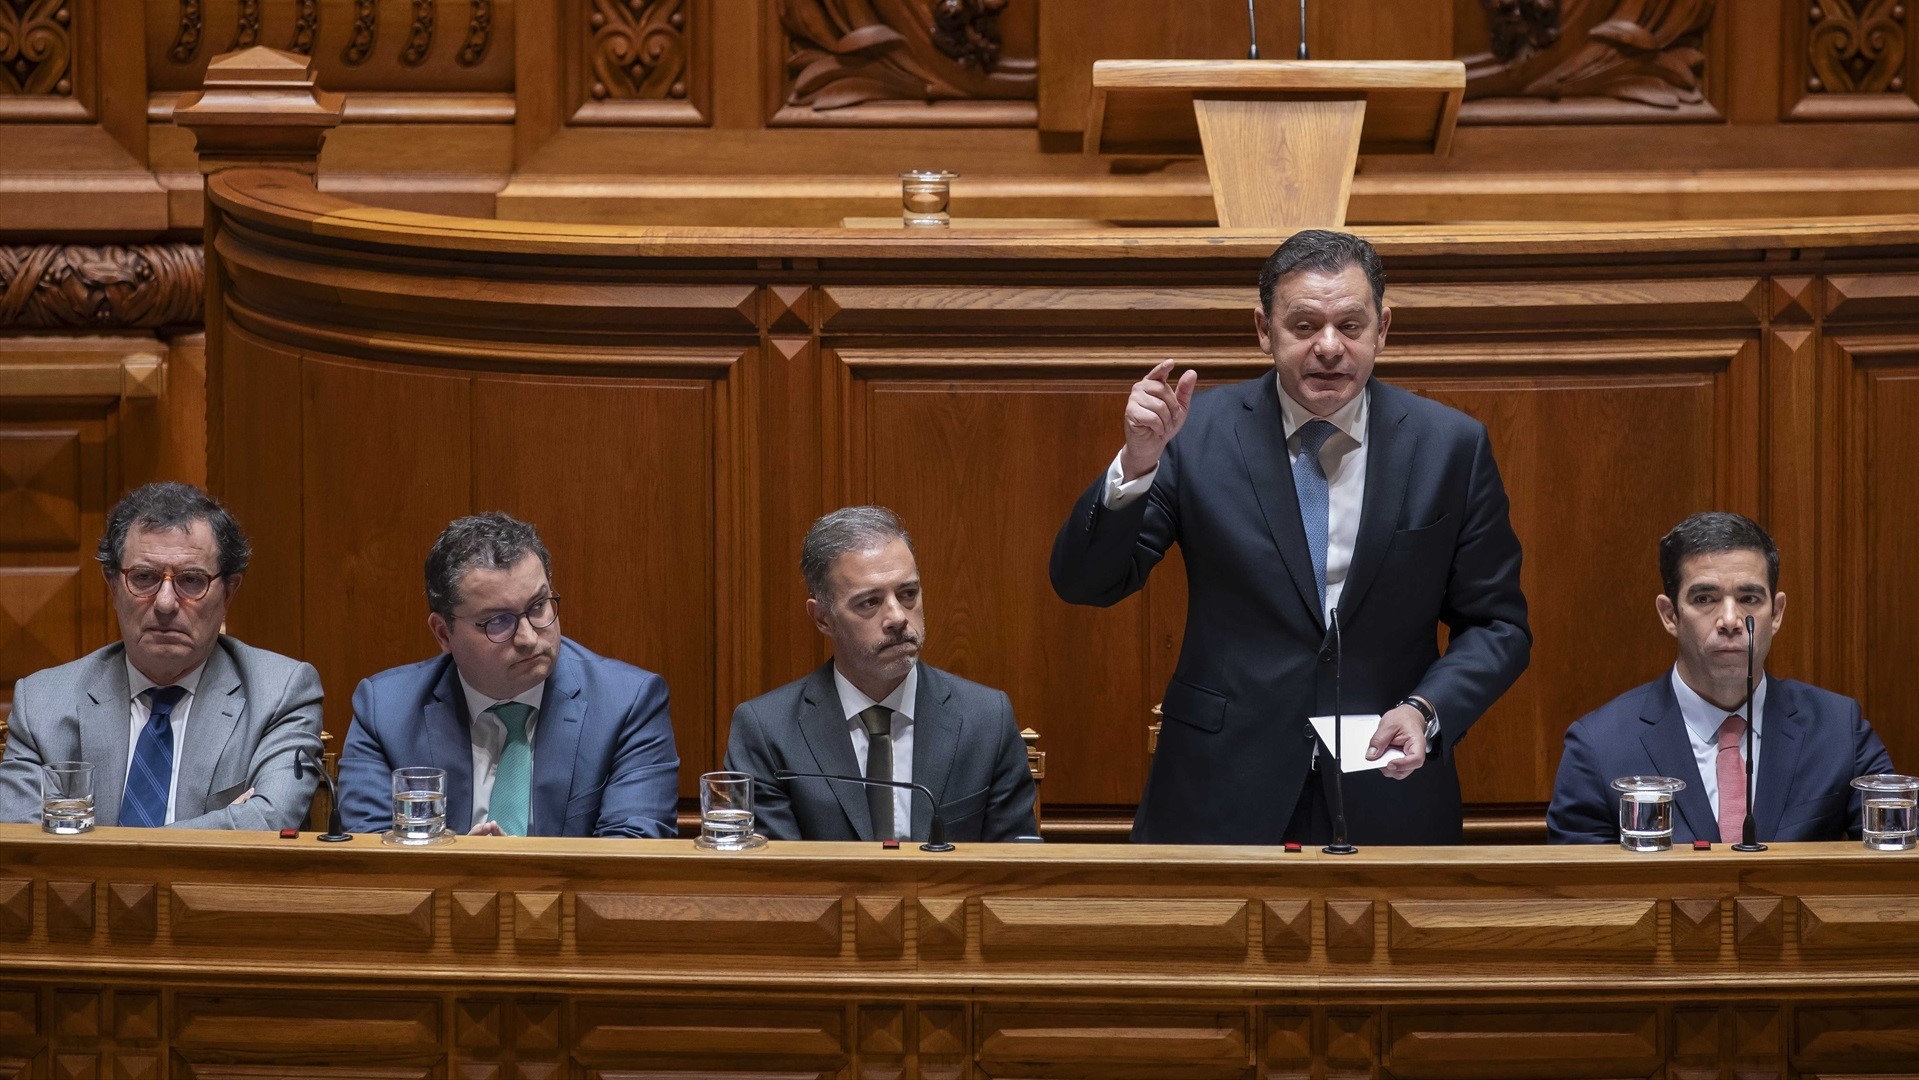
1732 781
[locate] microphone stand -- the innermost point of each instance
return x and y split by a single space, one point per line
336 829
935 828
1252 33
1750 840
1339 846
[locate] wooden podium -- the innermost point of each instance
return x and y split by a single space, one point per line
1281 138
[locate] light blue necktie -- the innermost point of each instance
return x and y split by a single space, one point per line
512 781
150 777
1309 478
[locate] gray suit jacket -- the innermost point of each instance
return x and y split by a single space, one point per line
966 750
252 711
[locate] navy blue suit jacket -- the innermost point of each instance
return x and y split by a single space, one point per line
1814 744
1435 546
603 757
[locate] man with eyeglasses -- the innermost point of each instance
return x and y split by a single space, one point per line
184 726
537 735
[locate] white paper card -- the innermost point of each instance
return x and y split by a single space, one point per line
1358 733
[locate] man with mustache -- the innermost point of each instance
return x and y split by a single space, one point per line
875 710
185 727
1311 492
1808 744
537 735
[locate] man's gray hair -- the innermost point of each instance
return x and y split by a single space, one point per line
852 528
491 541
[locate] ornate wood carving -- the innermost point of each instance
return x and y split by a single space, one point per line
36 47
1647 54
419 36
186 43
246 26
1856 46
1540 926
1518 29
638 49
118 286
848 52
360 37
479 34
306 27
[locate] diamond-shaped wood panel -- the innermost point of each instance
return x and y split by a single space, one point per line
1288 926
76 1015
16 908
1349 926
1794 299
879 925
1695 925
476 919
39 619
943 1042
942 924
136 1017
536 917
39 490
789 309
70 910
132 911
1759 922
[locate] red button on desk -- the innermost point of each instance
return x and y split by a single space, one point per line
289 834
889 845
1702 845
1292 847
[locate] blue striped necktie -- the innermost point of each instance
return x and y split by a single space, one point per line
1309 478
150 776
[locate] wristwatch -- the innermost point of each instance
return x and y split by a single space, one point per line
1431 715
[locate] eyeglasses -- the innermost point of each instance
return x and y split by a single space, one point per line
145 581
539 616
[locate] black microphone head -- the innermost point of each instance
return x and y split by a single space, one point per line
1748 628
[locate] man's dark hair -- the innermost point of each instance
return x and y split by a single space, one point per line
852 528
169 506
489 541
1321 251
1708 533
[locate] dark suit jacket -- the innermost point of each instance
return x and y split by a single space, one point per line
966 750
1814 744
1435 546
603 758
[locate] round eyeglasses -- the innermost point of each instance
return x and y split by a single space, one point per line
145 581
539 615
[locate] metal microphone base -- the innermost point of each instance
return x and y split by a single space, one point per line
1340 848
1750 847
941 846
334 837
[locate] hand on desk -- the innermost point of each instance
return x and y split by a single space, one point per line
486 828
1404 729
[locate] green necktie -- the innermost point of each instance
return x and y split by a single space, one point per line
512 781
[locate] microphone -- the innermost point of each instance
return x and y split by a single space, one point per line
336 830
1302 29
1750 840
1339 846
1252 33
935 828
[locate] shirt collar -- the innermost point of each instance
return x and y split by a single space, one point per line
1350 419
138 684
854 702
477 703
1703 717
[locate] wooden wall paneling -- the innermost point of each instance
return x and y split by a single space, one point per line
793 409
1848 61
1793 465
1521 1044
623 481
256 449
618 1038
1119 1039
643 64
229 1035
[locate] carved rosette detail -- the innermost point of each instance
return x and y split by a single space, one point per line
306 27
479 34
366 27
845 52
638 49
134 286
1857 46
186 43
419 36
246 27
36 47
1651 52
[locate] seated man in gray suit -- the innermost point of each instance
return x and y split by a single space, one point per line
184 726
537 735
876 711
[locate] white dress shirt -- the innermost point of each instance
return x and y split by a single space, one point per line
489 740
1702 726
1343 457
900 701
140 711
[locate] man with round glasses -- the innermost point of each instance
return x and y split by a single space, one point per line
537 735
184 726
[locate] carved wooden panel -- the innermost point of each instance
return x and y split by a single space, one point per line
1610 926
942 925
96 287
640 62
1029 927
905 62
39 619
208 1029
536 918
613 1039
1615 61
1195 1042
1855 1038
232 914
40 489
1492 1045
1848 60
1858 922
780 924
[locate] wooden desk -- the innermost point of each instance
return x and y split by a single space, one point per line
152 954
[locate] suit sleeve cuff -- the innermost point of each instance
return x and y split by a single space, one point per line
1119 493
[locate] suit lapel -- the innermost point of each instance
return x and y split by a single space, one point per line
1780 741
936 735
556 746
1261 432
218 703
1670 748
823 725
1389 461
448 737
106 723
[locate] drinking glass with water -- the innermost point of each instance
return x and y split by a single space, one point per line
66 797
726 812
1645 811
419 807
1888 818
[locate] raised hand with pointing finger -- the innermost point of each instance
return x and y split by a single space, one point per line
1155 411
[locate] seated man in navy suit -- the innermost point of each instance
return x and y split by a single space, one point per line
1807 746
538 736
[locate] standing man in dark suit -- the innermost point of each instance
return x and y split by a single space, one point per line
875 710
538 736
1311 491
1808 745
